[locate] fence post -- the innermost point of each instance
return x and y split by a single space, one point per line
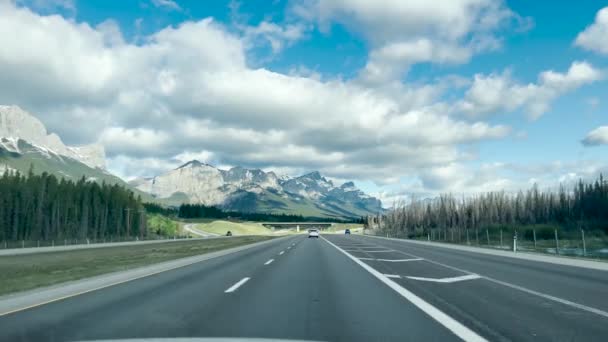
488 236
515 241
556 242
468 242
584 246
534 235
428 236
501 238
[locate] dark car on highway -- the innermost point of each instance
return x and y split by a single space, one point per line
347 231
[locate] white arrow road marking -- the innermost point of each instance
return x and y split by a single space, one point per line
450 323
447 280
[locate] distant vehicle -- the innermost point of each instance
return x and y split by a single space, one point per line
228 233
313 233
347 231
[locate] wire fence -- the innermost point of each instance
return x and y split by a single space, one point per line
579 243
12 244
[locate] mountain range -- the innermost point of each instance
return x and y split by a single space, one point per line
253 190
25 142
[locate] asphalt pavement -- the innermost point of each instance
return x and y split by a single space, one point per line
336 288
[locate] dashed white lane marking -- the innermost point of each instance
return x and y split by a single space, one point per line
451 324
381 251
393 260
269 262
521 288
237 285
281 253
447 280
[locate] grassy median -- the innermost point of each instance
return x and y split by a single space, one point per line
25 272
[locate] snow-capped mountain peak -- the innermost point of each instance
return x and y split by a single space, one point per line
15 123
241 188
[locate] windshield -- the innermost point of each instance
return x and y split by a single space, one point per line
167 168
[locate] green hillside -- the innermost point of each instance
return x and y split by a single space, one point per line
60 166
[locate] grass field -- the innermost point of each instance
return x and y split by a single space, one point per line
25 272
220 227
341 226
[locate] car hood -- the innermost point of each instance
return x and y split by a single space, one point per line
202 339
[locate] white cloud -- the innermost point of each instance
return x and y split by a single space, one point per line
595 36
168 4
500 93
118 140
279 37
403 33
598 136
189 88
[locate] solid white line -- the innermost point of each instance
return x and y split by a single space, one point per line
392 260
383 251
269 262
392 276
447 280
549 297
451 324
523 289
237 285
281 252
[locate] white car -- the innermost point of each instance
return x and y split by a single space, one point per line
313 233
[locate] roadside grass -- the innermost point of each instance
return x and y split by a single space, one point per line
339 227
220 227
29 271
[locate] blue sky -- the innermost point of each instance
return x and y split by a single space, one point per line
406 97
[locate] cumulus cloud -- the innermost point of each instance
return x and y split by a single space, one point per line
595 36
598 136
188 91
402 33
500 93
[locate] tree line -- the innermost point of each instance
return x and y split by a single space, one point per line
582 206
190 211
44 207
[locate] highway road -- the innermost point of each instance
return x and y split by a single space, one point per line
337 288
